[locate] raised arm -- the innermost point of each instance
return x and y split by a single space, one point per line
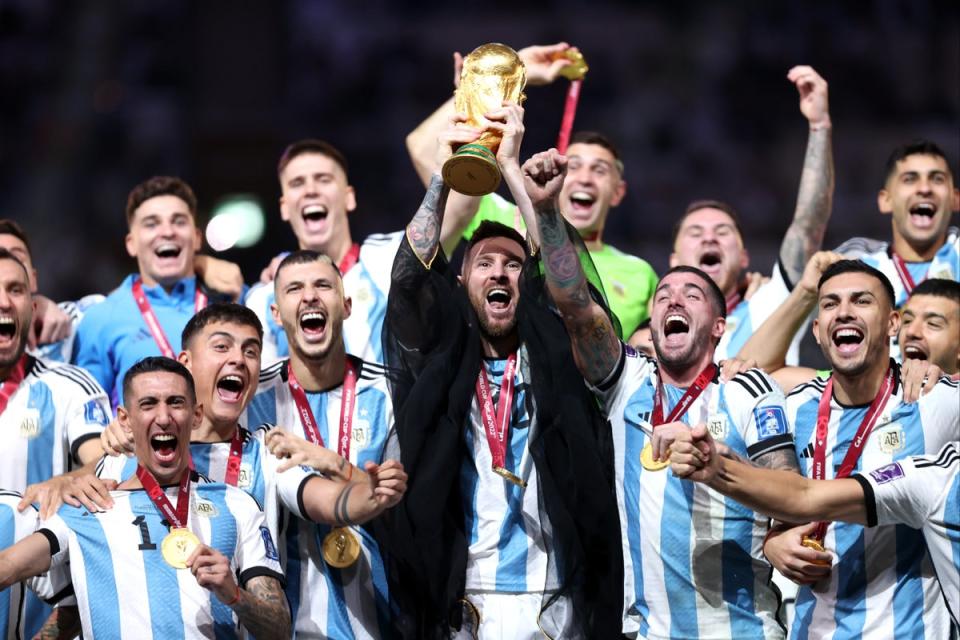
815 196
779 494
358 501
596 348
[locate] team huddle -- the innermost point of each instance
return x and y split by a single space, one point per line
492 423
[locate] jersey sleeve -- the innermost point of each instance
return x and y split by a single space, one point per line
257 553
495 208
117 468
631 369
87 413
758 408
258 300
57 533
290 486
940 413
909 490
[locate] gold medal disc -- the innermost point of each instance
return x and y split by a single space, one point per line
812 543
177 546
509 477
646 459
341 548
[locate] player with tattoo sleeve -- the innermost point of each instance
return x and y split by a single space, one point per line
693 563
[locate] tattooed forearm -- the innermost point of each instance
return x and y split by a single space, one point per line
814 205
564 273
64 623
423 232
341 513
262 609
784 459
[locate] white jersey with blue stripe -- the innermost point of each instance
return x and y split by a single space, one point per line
882 584
367 283
923 492
62 351
945 264
125 589
693 559
509 537
14 526
327 602
747 317
56 408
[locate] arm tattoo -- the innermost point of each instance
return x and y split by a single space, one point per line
64 623
263 609
341 514
423 232
814 204
784 459
594 341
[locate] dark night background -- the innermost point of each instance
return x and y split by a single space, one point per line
98 96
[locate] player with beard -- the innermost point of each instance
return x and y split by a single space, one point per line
176 555
692 560
509 525
146 313
857 419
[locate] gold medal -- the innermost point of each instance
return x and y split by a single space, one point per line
510 477
646 459
341 548
177 546
816 545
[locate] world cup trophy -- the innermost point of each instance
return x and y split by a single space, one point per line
491 74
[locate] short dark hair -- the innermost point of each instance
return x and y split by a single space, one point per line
10 228
713 290
6 255
311 145
160 186
220 312
304 256
855 266
939 287
597 138
918 147
697 205
154 364
491 229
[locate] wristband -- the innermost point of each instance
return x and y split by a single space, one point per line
236 598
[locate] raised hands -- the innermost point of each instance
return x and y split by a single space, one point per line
456 134
388 482
295 451
543 176
813 95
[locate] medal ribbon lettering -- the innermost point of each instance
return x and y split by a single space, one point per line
856 446
904 273
496 425
233 462
177 517
150 318
686 400
307 419
12 383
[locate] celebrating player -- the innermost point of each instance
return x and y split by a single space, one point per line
680 549
131 566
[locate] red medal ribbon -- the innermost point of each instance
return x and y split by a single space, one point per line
691 394
349 260
569 111
233 462
859 440
177 517
497 424
12 383
733 301
309 423
901 267
150 318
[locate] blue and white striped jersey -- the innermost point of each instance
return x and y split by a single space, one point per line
123 586
14 526
882 584
510 545
56 408
366 283
946 264
112 336
327 602
747 316
693 558
62 351
924 493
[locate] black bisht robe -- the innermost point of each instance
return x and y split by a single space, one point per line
433 353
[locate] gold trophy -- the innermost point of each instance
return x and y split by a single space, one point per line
491 74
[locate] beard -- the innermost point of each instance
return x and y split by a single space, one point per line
679 359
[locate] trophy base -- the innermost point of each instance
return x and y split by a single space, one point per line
472 171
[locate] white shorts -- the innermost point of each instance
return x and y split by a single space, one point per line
514 616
